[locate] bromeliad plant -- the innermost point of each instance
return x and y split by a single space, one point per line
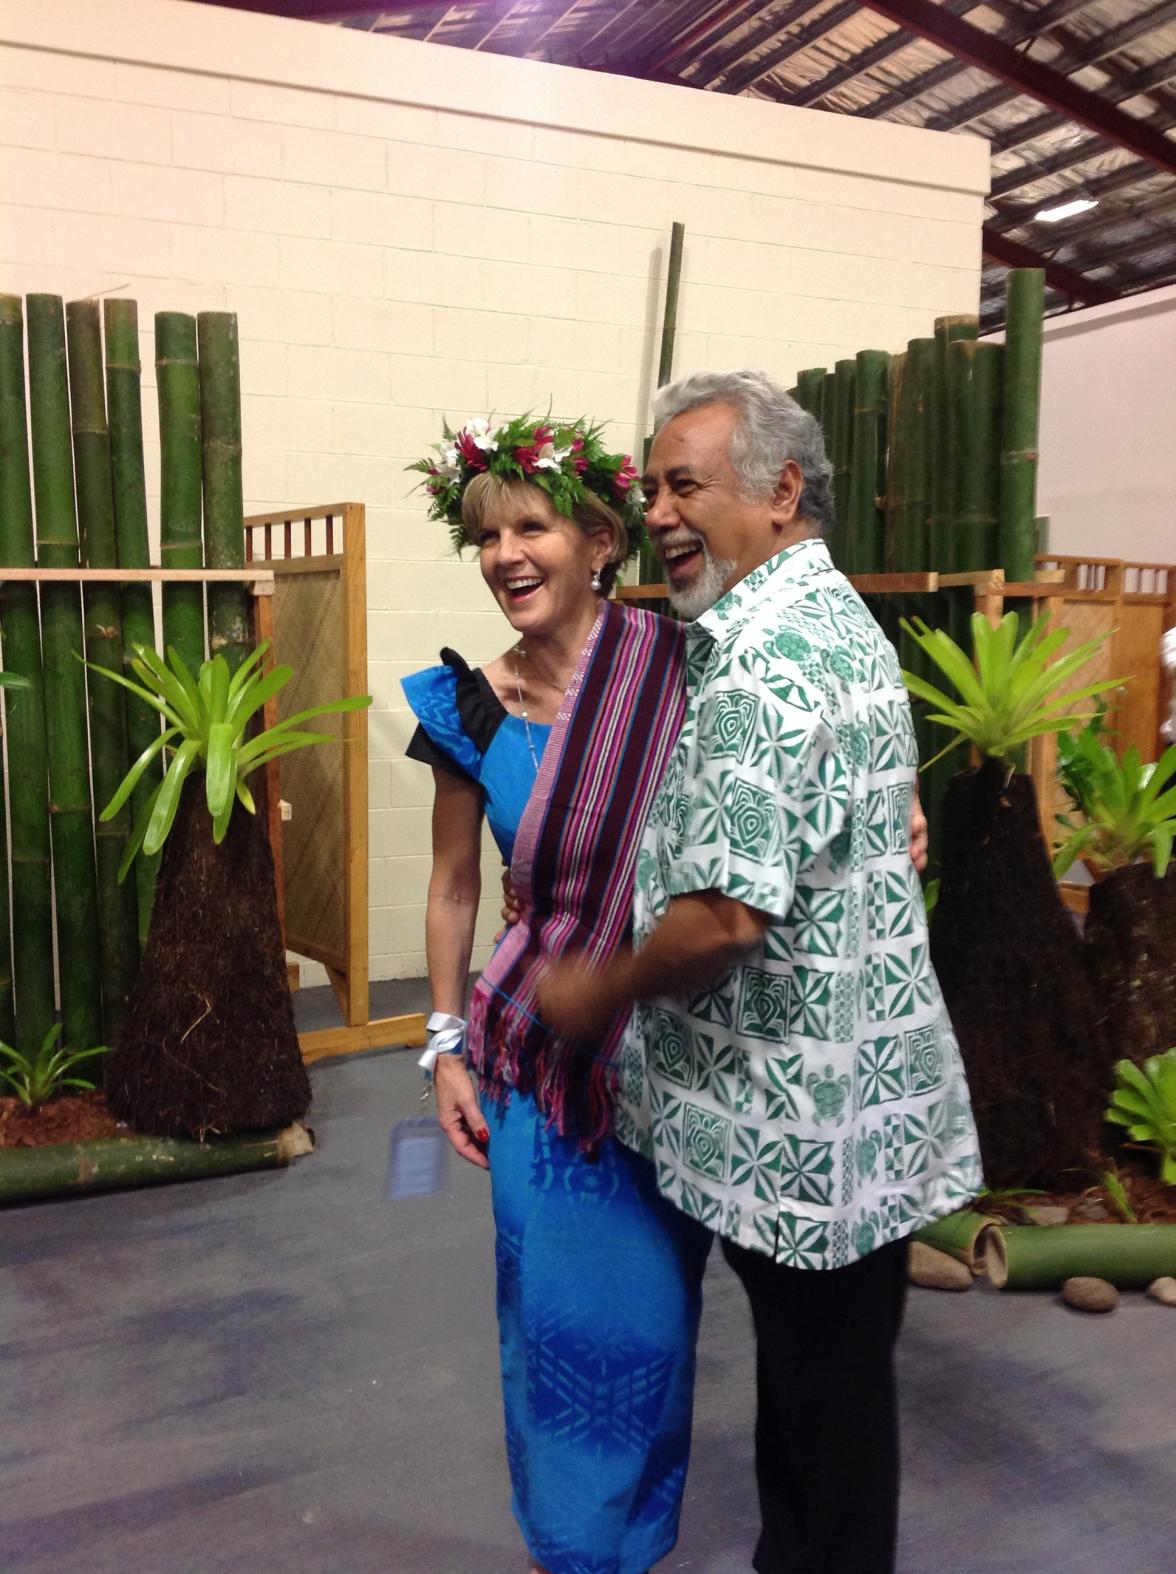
36 1077
1127 809
208 718
1016 691
1145 1102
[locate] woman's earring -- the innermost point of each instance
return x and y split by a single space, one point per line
596 584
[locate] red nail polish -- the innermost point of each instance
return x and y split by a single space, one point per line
484 1134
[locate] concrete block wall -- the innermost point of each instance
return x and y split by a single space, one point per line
409 232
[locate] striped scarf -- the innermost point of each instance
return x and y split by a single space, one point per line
574 862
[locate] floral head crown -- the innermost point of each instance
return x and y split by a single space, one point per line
566 459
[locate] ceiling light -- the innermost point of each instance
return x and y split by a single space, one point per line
1066 210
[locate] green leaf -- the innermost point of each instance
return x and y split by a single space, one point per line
250 700
138 832
274 748
219 768
131 780
168 798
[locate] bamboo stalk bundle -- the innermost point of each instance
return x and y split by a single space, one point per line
867 484
1022 397
224 509
974 379
178 381
20 634
1043 1257
118 934
125 416
113 1163
947 331
65 688
844 383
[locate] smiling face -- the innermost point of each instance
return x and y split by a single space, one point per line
537 563
708 533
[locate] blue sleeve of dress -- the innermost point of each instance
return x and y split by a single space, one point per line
432 695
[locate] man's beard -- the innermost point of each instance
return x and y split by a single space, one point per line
702 594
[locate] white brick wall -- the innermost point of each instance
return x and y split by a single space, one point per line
408 231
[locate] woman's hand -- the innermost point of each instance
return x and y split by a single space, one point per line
917 839
458 1111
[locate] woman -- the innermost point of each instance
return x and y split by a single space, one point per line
598 1278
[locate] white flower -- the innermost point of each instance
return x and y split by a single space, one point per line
478 429
448 453
549 457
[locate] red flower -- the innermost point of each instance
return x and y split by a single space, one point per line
541 435
527 457
469 451
624 478
579 463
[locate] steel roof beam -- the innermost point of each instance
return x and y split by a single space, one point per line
1024 26
777 20
800 38
1021 213
938 75
328 10
1028 76
1014 255
701 37
650 33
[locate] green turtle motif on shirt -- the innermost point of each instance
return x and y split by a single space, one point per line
828 1094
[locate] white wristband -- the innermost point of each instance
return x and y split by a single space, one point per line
446 1036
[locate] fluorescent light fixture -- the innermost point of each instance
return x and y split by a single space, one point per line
1066 210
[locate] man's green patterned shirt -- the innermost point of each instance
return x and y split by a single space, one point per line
811 1102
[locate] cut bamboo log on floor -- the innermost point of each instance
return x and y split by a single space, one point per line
115 1163
1043 1257
20 633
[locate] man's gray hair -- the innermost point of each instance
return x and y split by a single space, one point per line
771 428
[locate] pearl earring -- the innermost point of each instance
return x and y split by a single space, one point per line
596 584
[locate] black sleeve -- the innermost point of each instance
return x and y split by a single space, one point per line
478 707
422 748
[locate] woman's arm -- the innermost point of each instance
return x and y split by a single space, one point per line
454 888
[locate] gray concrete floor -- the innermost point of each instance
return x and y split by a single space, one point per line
282 1371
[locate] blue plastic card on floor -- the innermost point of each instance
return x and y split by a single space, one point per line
416 1158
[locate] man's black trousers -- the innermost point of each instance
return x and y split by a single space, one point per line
826 1436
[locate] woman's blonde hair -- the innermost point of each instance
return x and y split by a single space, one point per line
591 514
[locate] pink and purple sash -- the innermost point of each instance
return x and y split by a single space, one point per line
574 862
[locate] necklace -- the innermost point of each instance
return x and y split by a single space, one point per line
518 651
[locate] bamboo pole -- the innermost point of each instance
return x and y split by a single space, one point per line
65 688
974 379
810 389
897 443
829 411
224 508
178 382
1043 1257
867 483
118 934
125 412
914 528
665 365
947 331
28 786
113 1163
1022 399
844 381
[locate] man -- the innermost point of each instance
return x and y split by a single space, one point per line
789 1066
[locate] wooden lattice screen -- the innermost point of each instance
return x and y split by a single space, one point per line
319 626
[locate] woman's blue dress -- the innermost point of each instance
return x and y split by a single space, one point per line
599 1279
